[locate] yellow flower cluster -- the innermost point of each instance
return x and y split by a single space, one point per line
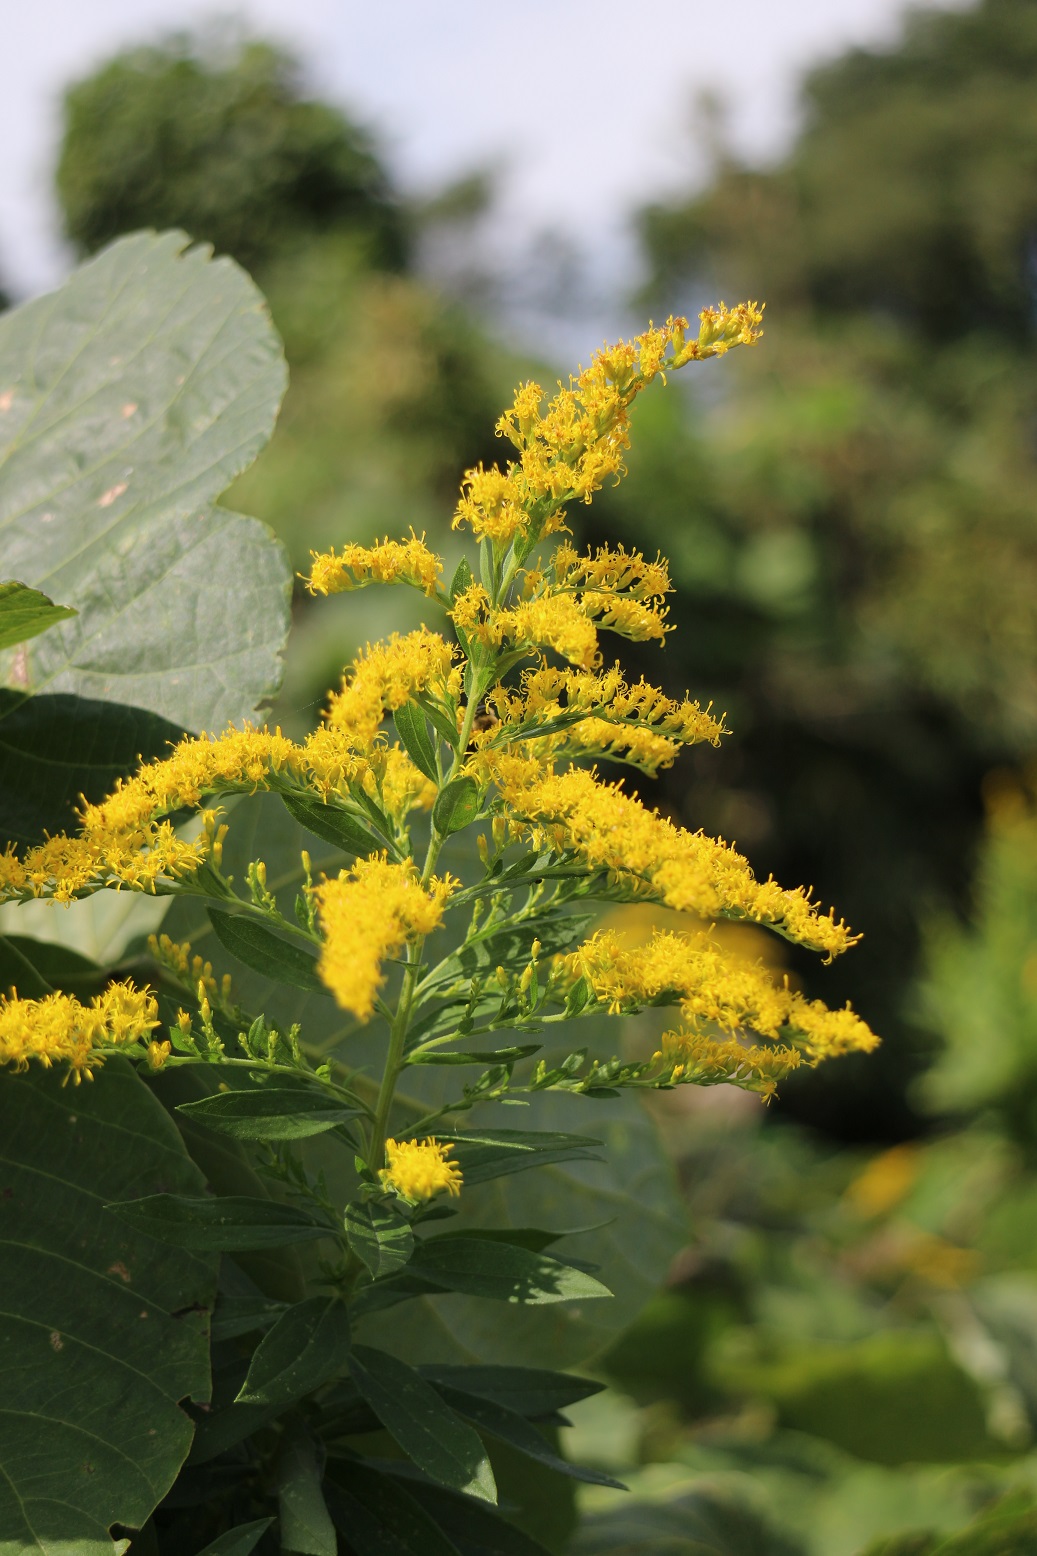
569 712
687 871
694 1059
58 1028
391 561
712 989
368 913
418 1170
570 448
385 676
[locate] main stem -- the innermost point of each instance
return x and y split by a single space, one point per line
401 1021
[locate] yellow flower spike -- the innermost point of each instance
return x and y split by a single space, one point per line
368 913
384 677
390 561
418 1170
58 1028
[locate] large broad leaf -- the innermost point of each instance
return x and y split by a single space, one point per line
103 1330
129 400
57 750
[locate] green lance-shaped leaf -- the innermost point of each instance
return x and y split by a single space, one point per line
234 1316
130 398
380 1236
461 580
269 1113
306 1526
332 824
25 613
488 1056
229 1224
240 1541
502 1271
379 1517
307 1346
102 1330
456 807
487 1154
427 1430
413 732
54 751
511 1428
530 1391
267 952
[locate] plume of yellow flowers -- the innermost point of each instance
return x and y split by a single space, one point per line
59 1028
368 913
391 561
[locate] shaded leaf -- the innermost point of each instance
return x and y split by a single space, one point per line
35 967
456 807
306 1526
239 1541
307 1346
428 1431
379 1236
487 1154
95 1314
514 1429
25 613
265 951
225 1225
502 1271
235 1316
478 1529
56 750
530 1391
129 400
331 823
491 1056
269 1112
413 733
379 1518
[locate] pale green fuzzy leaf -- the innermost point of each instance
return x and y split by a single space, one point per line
103 1330
130 398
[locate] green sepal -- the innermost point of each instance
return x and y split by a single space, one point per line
379 1236
414 1414
269 1113
413 732
307 1346
229 1224
266 951
456 807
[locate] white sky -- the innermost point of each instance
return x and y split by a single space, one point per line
586 100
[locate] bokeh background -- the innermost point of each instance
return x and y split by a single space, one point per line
440 201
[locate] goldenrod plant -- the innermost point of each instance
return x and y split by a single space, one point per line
457 769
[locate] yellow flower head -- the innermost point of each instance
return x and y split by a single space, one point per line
368 913
59 1028
418 1170
384 677
391 561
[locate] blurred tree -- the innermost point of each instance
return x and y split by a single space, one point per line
854 520
222 142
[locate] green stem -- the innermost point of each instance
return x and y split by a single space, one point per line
394 1060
